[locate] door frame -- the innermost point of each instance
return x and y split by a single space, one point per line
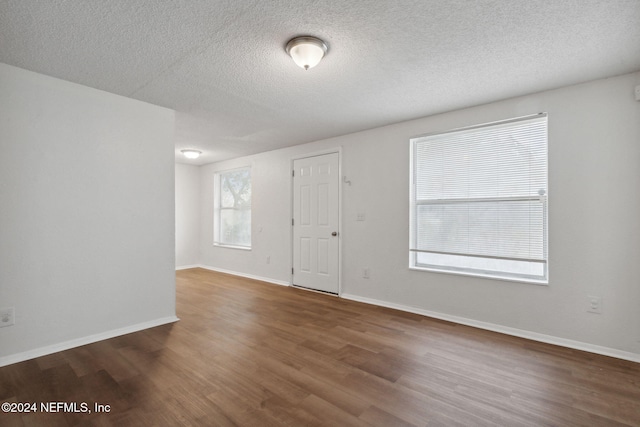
334 150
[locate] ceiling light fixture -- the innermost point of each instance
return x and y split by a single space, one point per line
306 51
191 154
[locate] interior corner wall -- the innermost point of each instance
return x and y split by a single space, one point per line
594 226
187 215
86 213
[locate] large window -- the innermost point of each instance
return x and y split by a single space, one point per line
479 200
232 208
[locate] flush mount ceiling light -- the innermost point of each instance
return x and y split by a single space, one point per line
306 51
191 154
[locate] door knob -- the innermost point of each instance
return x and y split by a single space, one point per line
335 233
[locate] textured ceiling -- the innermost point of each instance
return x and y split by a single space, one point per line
221 64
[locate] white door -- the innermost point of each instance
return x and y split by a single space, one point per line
315 222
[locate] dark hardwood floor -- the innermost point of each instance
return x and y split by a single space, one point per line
247 353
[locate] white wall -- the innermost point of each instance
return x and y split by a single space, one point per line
594 219
86 214
187 215
270 213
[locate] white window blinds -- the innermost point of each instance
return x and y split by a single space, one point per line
479 199
232 208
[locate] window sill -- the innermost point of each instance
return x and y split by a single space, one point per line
242 248
540 282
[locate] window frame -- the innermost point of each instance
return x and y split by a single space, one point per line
477 272
217 209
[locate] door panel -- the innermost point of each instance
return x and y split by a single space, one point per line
305 254
323 256
305 205
323 204
315 220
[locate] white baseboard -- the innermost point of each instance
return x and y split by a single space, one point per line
534 336
66 345
186 267
248 276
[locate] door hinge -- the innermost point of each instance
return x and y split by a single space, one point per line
292 271
293 173
292 222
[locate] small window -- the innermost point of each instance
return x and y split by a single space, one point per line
479 200
232 208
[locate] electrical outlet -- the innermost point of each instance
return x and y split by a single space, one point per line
7 317
365 273
595 304
268 259
360 216
638 93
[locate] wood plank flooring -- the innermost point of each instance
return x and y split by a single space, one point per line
247 353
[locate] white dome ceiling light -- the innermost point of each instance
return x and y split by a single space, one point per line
191 154
306 51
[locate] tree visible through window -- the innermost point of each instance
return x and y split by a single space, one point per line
232 208
479 200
